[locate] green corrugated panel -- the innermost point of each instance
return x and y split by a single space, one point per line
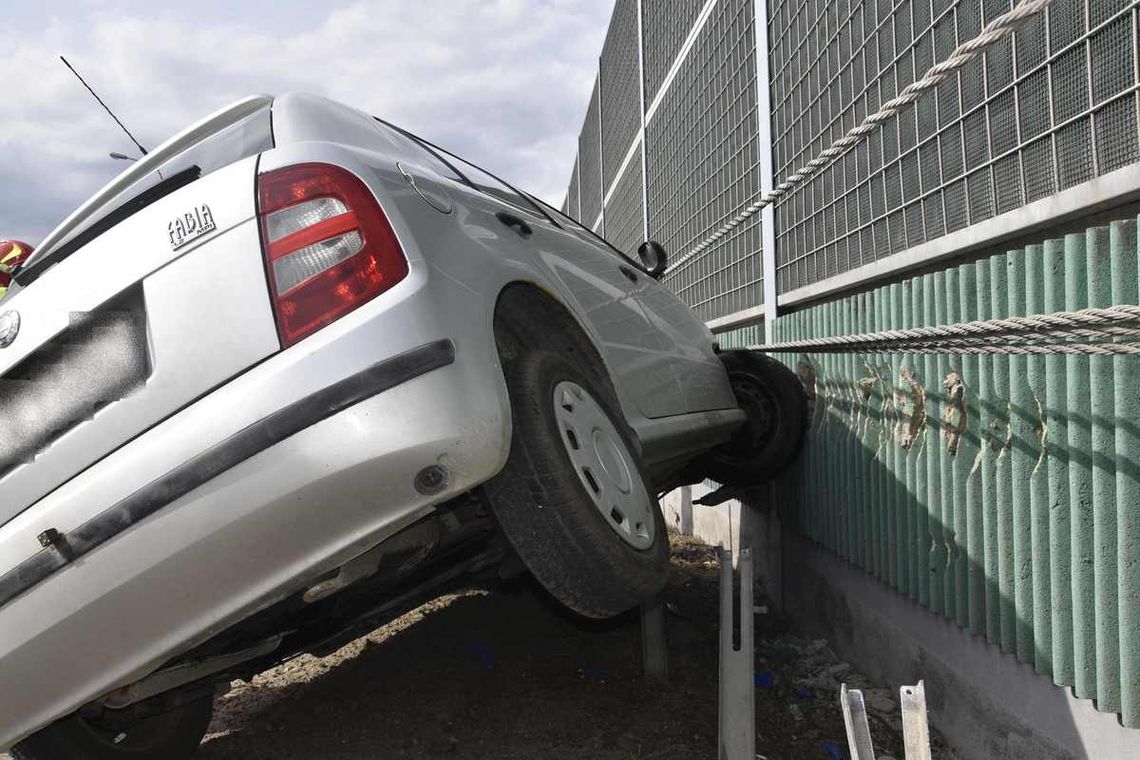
1057 467
801 329
856 454
850 475
993 392
936 522
1041 625
1015 508
1020 455
907 521
1125 289
1002 476
897 485
787 328
979 496
826 460
868 436
879 469
918 529
1080 481
819 460
1103 436
952 470
812 326
837 503
850 440
972 612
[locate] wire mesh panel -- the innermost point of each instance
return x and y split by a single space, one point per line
572 208
589 163
665 24
703 165
621 95
1048 108
623 212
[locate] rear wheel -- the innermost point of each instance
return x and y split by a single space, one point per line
572 499
170 735
773 398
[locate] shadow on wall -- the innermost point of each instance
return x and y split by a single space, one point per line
951 480
1001 491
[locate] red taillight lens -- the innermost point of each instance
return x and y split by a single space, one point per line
328 246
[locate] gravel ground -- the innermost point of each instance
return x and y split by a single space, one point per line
505 673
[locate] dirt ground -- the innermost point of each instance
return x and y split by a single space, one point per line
505 673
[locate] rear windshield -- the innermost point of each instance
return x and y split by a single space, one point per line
249 136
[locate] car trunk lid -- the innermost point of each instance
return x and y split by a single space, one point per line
143 300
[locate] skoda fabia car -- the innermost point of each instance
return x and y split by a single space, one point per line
297 371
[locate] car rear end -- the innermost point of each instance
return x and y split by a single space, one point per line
231 367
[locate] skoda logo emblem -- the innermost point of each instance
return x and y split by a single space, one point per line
9 327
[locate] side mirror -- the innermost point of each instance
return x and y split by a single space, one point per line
653 258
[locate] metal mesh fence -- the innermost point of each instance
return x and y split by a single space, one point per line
589 164
572 208
702 165
665 24
621 98
1050 108
623 212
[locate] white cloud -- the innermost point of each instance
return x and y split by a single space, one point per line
502 82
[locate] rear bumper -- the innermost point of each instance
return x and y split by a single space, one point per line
61 550
253 518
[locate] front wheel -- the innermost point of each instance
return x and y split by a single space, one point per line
572 499
171 735
773 398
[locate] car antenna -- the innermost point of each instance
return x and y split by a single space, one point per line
105 108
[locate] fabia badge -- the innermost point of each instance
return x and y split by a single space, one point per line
190 226
9 327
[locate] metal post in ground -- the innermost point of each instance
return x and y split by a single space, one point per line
737 711
855 720
654 644
916 732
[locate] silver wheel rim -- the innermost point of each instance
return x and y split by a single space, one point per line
604 465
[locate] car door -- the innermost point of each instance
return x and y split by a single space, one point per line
607 290
600 287
689 341
686 342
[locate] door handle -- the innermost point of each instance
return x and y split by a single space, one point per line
629 273
515 223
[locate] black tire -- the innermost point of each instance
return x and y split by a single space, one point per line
774 399
171 735
550 518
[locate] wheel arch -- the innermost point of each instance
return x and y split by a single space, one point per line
527 316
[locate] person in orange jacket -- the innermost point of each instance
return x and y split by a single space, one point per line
12 254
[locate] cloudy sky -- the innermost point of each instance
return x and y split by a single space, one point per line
503 82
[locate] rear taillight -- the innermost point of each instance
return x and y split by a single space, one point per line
328 246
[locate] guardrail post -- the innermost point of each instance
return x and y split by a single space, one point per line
654 642
737 689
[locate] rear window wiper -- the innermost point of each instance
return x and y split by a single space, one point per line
26 275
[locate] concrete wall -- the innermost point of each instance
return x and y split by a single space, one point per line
987 704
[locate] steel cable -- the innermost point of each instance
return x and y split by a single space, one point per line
1063 332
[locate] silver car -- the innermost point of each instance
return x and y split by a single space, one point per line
297 371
